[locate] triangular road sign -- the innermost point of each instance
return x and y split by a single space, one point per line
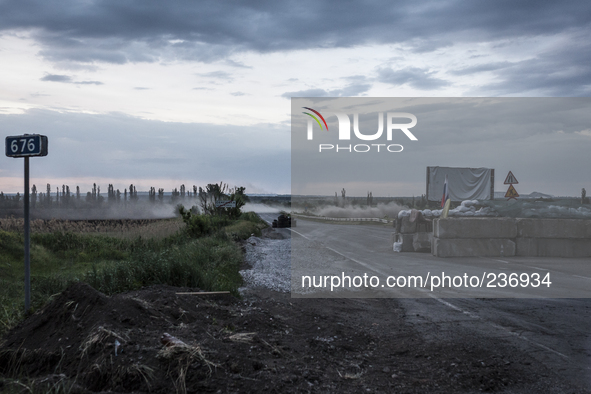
511 180
511 193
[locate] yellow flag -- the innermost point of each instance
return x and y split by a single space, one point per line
445 209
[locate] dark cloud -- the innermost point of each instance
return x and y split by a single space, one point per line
238 94
564 71
414 77
481 68
348 91
351 90
131 31
57 78
306 93
141 88
67 79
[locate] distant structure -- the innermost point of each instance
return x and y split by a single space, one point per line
369 199
463 183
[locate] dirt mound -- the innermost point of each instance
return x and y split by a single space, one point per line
103 342
84 341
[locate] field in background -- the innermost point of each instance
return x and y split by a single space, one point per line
115 256
120 228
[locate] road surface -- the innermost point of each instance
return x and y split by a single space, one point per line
552 329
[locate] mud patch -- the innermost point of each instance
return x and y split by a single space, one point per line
266 342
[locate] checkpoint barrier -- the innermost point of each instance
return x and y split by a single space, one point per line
498 237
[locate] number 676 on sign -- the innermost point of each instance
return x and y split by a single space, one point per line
26 145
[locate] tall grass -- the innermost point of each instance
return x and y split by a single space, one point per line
209 263
208 259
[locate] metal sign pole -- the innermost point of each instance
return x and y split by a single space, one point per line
25 146
27 240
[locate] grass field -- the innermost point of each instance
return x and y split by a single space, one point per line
116 256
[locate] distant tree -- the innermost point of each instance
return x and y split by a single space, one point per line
152 195
160 196
78 193
183 191
68 195
48 195
132 193
33 196
210 196
237 195
118 196
111 197
99 198
175 195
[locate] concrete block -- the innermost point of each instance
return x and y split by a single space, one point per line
406 242
434 246
553 247
553 228
407 227
452 228
491 247
421 242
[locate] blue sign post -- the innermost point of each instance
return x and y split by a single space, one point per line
28 145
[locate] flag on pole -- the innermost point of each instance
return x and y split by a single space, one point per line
445 200
445 193
445 210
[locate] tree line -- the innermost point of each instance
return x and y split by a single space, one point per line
206 198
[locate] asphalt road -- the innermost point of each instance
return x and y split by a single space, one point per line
551 324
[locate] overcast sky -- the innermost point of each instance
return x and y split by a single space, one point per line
162 93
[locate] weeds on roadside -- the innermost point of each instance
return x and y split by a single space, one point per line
202 255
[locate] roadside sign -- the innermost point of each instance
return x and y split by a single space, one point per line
225 204
511 193
511 180
26 145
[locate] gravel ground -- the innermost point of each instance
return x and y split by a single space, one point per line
270 263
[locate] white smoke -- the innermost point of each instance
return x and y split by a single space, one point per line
381 210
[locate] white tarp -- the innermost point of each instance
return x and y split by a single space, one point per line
463 183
